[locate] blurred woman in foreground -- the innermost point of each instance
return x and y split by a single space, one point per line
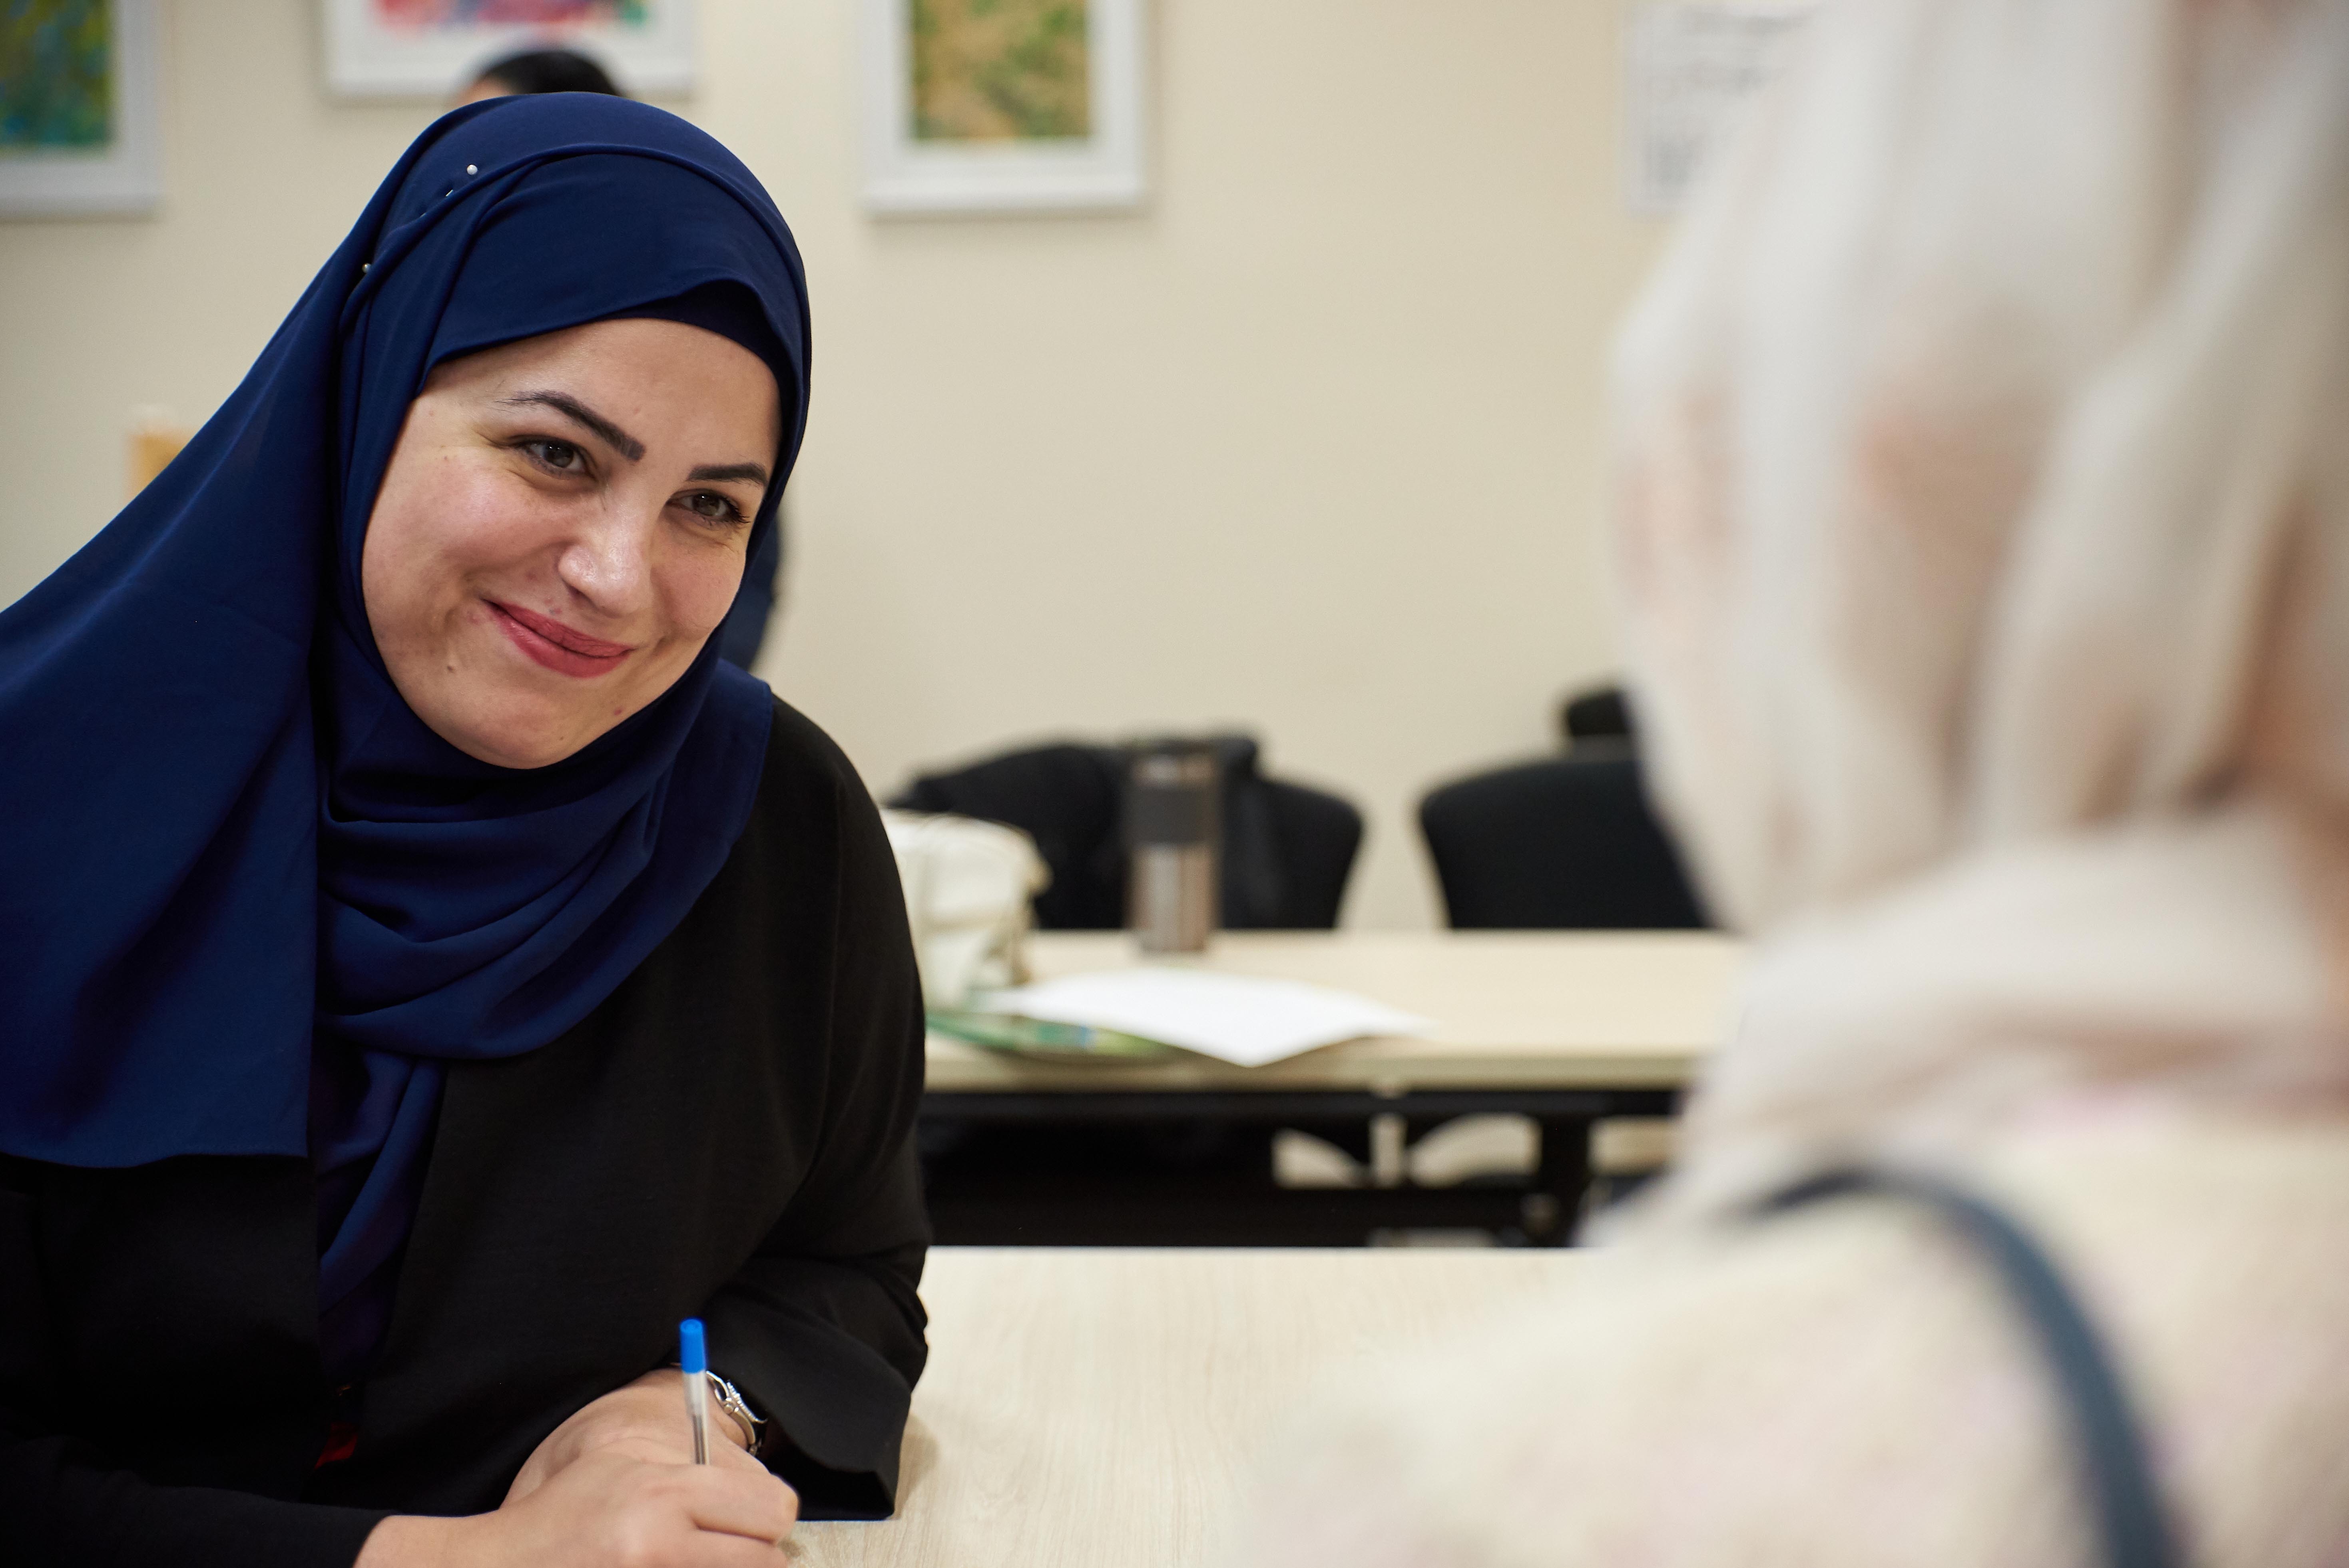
1983 522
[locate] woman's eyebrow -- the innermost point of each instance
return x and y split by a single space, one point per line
619 440
718 473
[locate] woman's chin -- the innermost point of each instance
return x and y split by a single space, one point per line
498 707
526 739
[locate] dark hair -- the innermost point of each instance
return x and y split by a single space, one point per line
549 71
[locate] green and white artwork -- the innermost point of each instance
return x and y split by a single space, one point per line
78 118
1000 70
57 76
1002 106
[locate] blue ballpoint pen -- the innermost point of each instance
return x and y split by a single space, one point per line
694 1356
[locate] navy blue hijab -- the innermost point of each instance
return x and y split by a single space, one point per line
249 903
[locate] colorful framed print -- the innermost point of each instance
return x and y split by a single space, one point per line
1002 105
81 126
429 48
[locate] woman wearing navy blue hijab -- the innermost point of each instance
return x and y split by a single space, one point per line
435 973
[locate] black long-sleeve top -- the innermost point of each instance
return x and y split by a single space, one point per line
727 1135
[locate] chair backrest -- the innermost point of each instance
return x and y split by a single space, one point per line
1595 713
1288 851
1564 844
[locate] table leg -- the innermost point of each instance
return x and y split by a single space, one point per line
1561 1181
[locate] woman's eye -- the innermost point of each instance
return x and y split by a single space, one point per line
561 456
716 507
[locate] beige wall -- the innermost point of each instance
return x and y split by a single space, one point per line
1310 444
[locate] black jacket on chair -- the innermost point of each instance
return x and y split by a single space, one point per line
1288 851
727 1135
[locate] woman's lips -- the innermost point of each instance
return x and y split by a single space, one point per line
559 647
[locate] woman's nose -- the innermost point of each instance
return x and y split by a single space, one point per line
609 560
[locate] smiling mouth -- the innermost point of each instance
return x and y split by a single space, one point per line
562 649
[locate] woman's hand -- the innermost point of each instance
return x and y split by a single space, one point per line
648 1413
615 1506
613 1487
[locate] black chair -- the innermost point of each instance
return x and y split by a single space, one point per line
1288 851
1566 843
1595 713
1063 1179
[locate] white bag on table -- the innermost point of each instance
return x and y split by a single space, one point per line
968 886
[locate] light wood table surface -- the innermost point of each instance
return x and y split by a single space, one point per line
1513 1010
1104 1409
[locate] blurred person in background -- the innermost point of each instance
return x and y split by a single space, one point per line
539 71
1982 521
569 71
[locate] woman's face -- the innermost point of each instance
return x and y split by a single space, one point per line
561 529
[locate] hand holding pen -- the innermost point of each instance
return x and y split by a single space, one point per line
610 1476
606 1487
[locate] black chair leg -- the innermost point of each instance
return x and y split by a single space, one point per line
1560 1181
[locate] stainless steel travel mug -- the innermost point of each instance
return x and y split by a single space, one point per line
1171 833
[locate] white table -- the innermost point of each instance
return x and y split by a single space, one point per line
1513 1010
1568 1027
1102 1409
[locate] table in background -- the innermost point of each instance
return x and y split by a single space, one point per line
1104 1409
1567 1027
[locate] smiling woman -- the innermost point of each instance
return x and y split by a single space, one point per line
535 571
433 974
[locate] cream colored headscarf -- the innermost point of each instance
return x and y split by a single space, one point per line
1983 524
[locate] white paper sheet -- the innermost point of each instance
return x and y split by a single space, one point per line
1234 1017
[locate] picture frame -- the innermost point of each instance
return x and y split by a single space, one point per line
429 48
82 134
1003 105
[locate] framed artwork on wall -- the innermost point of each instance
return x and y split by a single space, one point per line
81 125
976 106
429 48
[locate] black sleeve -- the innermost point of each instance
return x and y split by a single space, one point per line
822 1326
64 1505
